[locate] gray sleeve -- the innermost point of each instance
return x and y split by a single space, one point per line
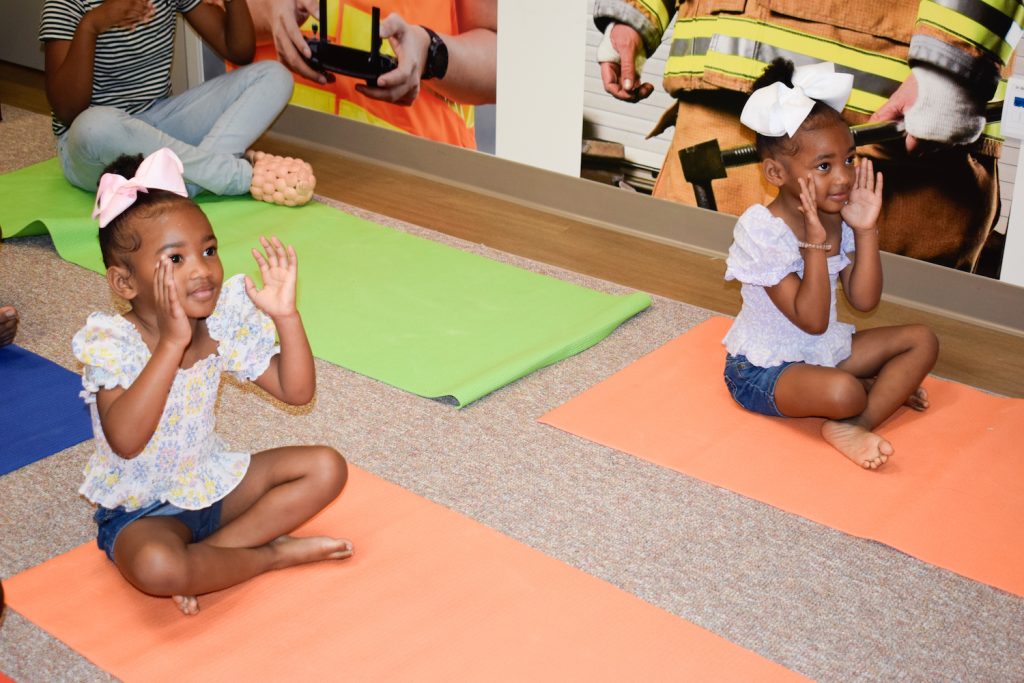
981 76
621 12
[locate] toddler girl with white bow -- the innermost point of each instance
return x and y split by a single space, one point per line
787 353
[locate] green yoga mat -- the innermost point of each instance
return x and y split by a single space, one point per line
416 314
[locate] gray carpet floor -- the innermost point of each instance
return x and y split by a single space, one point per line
827 605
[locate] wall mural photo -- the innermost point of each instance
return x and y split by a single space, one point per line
663 76
421 43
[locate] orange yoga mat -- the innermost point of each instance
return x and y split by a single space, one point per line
952 495
430 595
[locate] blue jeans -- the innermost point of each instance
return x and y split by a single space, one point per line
209 127
752 386
111 522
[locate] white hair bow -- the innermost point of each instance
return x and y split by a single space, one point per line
777 109
161 170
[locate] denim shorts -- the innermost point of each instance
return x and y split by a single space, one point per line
110 523
753 387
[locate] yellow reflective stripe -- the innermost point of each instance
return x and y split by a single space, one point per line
993 130
743 67
657 8
313 98
956 24
466 112
690 65
353 111
865 102
813 46
1010 8
1006 7
356 27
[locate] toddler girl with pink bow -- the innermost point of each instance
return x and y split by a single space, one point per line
787 353
180 513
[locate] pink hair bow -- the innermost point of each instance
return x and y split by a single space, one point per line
161 170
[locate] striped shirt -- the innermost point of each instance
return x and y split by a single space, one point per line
132 67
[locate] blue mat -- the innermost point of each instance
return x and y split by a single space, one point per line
40 411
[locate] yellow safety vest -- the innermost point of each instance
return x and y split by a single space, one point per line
431 115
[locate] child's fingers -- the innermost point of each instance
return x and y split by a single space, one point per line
163 277
293 260
878 184
172 292
272 254
280 252
250 287
158 282
806 196
260 261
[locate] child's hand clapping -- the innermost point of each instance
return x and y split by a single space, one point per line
279 271
172 323
861 212
814 231
123 14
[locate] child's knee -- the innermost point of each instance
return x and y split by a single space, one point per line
925 341
330 468
94 128
276 79
155 569
844 397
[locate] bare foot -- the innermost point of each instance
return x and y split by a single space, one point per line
8 324
864 447
186 603
917 400
292 551
280 180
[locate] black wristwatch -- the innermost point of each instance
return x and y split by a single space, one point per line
437 57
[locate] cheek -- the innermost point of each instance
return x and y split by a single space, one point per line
822 184
180 282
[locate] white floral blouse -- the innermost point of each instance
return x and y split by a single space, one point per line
764 250
185 462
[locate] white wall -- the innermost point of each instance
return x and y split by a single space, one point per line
539 119
19 32
626 122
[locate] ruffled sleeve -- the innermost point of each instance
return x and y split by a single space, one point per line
111 351
245 334
847 244
763 250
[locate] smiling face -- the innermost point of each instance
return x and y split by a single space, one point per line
180 233
826 154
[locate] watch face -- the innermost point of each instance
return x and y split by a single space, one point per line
439 52
437 57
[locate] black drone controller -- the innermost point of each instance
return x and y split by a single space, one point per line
346 60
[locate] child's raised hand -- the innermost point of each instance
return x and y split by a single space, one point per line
279 269
861 212
172 323
814 231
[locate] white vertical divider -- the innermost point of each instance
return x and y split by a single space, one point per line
541 48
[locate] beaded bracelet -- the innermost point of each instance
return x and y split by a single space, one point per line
824 246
